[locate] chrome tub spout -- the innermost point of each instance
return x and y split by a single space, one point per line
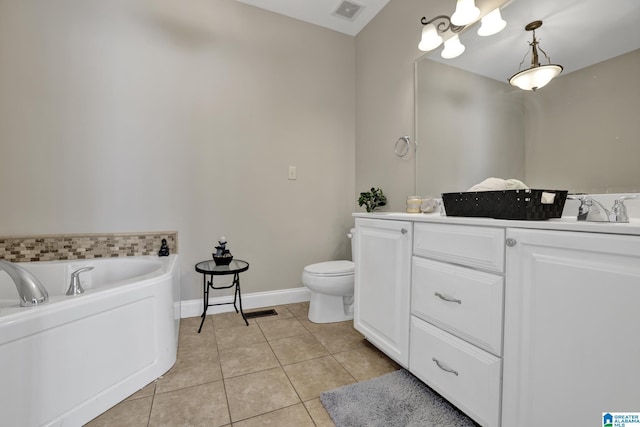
29 287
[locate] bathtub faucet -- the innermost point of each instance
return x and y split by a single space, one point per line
29 287
75 288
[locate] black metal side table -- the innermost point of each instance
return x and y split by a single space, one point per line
210 269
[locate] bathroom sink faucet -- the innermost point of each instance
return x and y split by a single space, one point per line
29 287
619 210
593 211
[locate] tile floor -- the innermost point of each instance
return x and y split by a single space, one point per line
270 373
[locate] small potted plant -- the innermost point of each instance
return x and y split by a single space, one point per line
372 199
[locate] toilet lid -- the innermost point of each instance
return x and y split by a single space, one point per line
330 268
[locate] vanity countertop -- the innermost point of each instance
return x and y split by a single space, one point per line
567 223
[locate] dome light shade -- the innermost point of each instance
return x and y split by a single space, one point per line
430 38
452 48
466 12
535 77
492 23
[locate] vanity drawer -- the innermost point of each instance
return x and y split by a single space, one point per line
478 247
465 302
465 375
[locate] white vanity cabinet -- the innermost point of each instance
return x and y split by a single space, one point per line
517 323
572 322
456 315
382 284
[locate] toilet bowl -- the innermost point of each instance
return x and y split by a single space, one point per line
331 286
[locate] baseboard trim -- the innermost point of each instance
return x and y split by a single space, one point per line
193 308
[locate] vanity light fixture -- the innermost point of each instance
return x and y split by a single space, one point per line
431 38
537 75
466 13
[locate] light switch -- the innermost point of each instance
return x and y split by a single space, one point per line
293 174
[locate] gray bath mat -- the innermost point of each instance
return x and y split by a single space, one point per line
397 399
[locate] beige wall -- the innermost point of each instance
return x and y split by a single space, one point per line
143 115
134 115
583 129
559 145
385 53
470 127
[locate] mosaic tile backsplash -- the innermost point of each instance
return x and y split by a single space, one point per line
84 246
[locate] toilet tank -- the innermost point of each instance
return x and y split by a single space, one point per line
352 236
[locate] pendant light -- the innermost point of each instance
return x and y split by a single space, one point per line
537 75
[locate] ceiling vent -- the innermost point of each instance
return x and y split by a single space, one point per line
348 10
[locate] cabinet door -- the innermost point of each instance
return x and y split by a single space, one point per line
571 347
382 274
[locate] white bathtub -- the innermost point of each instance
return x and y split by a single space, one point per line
68 360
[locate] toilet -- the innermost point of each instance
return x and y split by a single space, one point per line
331 286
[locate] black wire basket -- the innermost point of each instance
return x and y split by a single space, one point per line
506 204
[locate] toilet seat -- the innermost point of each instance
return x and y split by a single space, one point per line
330 268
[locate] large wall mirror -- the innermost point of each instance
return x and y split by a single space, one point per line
581 132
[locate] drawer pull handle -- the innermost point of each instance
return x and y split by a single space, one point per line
404 231
444 368
444 298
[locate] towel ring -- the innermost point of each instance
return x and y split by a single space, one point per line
403 147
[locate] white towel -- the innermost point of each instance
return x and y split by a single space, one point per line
498 184
514 184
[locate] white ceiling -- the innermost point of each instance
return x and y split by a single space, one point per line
575 34
320 12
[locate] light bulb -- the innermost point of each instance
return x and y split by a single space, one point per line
466 12
452 48
430 38
492 23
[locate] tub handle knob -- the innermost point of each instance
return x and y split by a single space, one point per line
75 288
